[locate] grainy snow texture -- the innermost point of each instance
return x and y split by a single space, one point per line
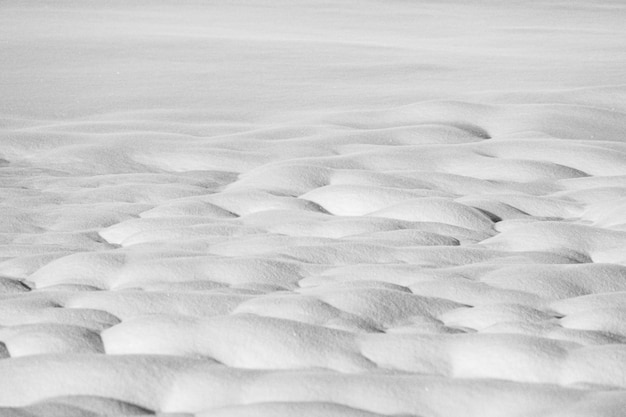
313 208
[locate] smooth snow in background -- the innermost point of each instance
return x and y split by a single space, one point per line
279 208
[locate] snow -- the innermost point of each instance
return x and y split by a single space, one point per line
313 208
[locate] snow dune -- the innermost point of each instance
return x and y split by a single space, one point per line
283 208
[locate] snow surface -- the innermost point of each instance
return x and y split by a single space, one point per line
313 208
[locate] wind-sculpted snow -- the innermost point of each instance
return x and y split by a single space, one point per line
493 267
326 219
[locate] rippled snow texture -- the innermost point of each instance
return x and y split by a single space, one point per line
313 209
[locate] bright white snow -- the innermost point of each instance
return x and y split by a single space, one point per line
313 208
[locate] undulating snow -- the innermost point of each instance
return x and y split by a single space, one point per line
313 208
